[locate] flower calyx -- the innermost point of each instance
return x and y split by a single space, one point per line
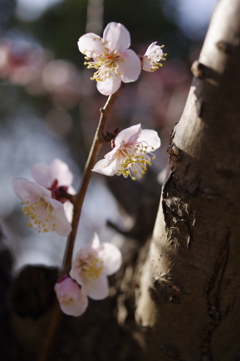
60 193
109 137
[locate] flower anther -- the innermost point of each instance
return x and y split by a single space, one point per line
93 264
91 267
132 153
113 61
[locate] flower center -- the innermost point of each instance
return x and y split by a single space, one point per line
105 63
40 214
92 267
134 159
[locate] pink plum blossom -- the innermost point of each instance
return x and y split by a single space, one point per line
129 156
115 63
45 213
72 301
93 264
151 59
54 176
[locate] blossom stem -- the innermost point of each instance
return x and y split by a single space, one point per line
78 202
96 146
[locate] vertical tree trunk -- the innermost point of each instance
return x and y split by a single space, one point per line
189 301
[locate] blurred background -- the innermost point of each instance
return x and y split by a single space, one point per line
49 107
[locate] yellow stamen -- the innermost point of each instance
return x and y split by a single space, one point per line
134 159
91 268
39 209
105 64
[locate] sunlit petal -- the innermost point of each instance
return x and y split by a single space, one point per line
117 37
110 85
130 68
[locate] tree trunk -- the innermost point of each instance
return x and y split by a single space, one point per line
189 299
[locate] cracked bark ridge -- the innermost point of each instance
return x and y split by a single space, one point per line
214 298
190 285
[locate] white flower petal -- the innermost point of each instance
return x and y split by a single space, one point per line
146 64
151 137
61 172
42 175
28 191
45 174
130 68
57 206
91 45
63 228
105 167
154 51
117 37
99 290
95 241
74 272
128 135
76 308
110 85
110 156
71 190
96 289
148 51
62 225
68 210
111 257
18 187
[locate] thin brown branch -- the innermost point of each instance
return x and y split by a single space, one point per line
78 202
96 146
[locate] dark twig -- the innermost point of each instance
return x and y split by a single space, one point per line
96 146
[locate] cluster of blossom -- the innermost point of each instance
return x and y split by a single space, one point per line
48 210
114 61
88 276
45 200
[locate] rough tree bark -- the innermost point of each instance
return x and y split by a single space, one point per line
189 302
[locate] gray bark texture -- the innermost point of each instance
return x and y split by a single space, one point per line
189 298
